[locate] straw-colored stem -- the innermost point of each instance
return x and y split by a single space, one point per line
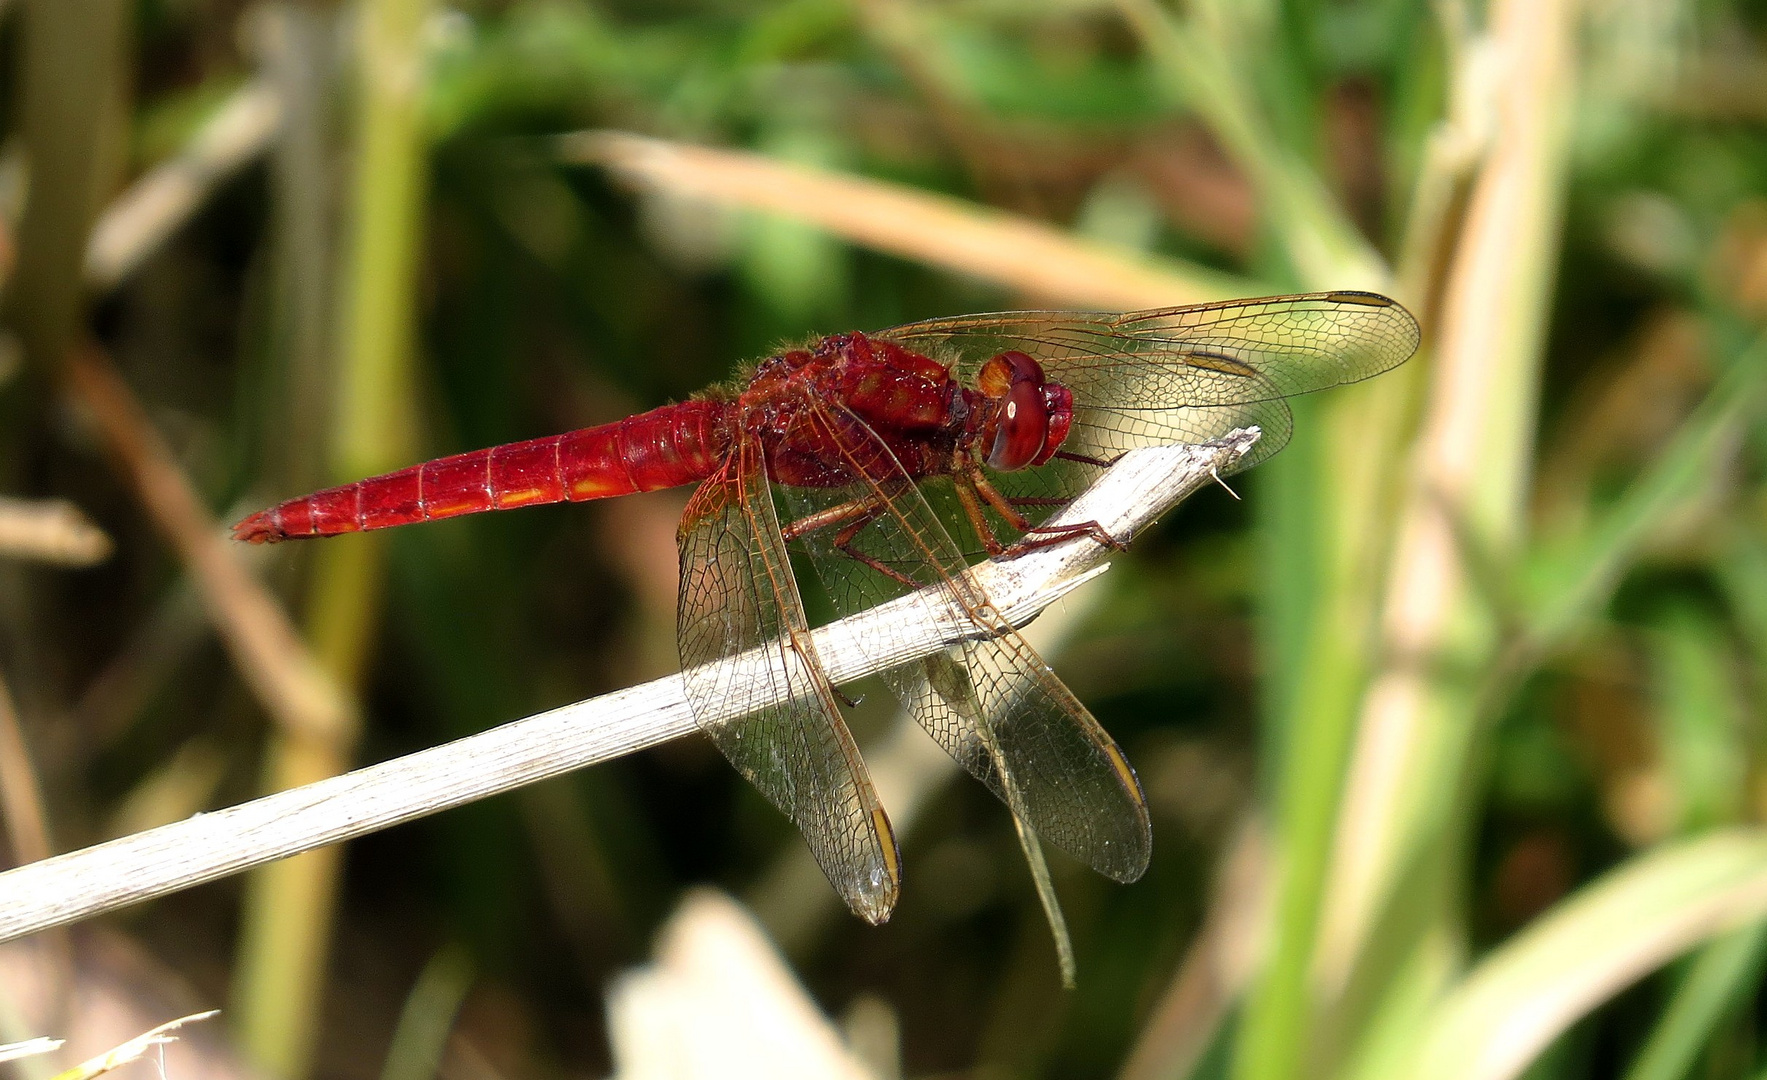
1028 256
1133 493
289 907
1475 446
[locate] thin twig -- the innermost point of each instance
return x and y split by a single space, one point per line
1144 484
134 1049
269 652
42 1044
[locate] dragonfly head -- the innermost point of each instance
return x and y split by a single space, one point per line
1033 416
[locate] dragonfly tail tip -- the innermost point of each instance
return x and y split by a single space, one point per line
259 528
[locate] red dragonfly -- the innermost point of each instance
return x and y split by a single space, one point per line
888 456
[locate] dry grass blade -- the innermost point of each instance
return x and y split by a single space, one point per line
51 531
1022 254
133 1049
29 1048
1137 489
1472 457
269 653
155 206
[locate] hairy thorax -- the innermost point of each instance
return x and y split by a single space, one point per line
801 406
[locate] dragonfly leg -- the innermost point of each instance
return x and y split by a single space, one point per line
861 510
843 543
1038 536
968 484
1008 508
1042 537
853 516
1083 459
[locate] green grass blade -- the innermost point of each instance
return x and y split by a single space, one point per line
428 1016
1571 585
1402 834
1203 63
1523 995
1721 973
1700 718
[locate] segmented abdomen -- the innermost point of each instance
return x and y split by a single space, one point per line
666 447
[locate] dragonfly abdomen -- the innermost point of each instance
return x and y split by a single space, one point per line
663 448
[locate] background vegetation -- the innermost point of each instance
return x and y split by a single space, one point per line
1452 730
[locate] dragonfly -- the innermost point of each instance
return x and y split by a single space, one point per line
892 460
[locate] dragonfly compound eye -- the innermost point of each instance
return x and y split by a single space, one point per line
1023 427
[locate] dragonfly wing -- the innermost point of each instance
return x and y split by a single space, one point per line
1185 374
991 702
744 638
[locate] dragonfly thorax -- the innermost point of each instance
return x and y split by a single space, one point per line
910 405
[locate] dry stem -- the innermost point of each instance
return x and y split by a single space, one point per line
265 646
1136 490
1021 253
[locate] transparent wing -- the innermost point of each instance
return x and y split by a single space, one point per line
992 702
1187 374
744 640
